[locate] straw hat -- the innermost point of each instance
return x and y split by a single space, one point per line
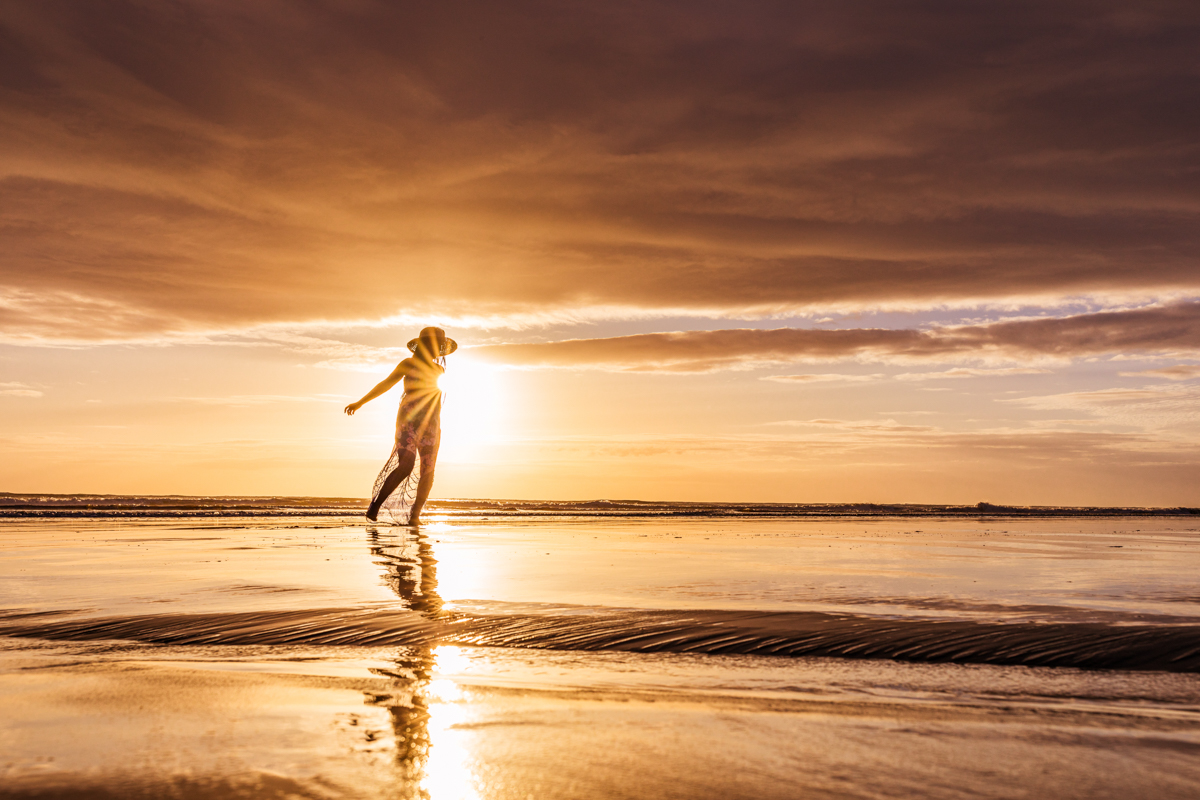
437 334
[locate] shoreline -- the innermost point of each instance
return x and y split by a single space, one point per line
34 505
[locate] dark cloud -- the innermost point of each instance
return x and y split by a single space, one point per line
1170 328
214 163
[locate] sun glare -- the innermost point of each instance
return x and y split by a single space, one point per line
472 408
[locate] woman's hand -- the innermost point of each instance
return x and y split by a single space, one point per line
350 409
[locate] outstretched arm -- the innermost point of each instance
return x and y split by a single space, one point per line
387 383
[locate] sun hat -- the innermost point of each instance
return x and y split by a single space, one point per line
448 344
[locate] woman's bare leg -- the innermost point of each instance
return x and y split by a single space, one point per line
428 462
394 479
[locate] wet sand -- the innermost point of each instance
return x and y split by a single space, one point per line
600 658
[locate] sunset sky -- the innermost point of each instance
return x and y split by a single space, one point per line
935 252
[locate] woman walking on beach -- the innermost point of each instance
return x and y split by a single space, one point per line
407 477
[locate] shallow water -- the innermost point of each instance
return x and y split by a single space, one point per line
593 657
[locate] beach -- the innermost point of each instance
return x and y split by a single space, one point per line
812 390
503 652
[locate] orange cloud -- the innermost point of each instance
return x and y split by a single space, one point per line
969 372
196 165
1179 372
17 389
822 377
1165 328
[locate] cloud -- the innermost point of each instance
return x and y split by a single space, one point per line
335 354
830 444
957 372
867 426
242 400
823 377
968 372
200 166
1171 411
1150 330
1179 372
13 389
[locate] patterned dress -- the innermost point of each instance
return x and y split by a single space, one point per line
418 431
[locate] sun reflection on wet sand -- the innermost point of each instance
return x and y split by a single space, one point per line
448 773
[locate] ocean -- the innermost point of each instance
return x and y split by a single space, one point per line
284 647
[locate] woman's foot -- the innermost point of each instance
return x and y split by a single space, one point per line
373 514
414 520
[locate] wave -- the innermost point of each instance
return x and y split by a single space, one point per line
1173 648
100 505
91 505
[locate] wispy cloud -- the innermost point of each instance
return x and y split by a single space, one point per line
259 399
334 353
1169 328
823 377
970 372
868 425
13 389
1171 410
1179 372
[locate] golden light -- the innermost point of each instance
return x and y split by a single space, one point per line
464 575
449 770
472 409
450 660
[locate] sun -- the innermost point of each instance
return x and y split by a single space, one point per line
472 408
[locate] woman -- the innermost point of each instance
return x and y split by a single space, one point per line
407 477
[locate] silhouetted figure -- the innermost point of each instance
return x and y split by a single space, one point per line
406 479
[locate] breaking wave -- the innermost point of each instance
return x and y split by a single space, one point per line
81 505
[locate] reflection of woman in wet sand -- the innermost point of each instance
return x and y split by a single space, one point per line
407 477
411 571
